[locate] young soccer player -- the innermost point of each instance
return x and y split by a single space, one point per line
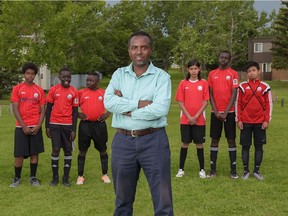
92 126
28 102
253 114
223 84
192 96
61 123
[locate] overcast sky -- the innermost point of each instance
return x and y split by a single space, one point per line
267 5
260 5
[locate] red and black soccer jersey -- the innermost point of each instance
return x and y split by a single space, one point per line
254 102
63 99
91 103
222 82
192 94
29 98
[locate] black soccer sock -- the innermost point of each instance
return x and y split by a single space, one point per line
213 158
33 169
183 155
258 157
104 162
200 155
81 164
245 157
18 171
67 166
54 164
232 156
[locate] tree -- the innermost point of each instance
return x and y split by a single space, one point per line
280 51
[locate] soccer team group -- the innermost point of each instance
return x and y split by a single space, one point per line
247 105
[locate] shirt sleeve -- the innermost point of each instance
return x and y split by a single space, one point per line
161 101
268 105
238 105
50 98
206 95
179 93
14 94
235 80
114 103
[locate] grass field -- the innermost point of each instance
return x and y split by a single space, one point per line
191 195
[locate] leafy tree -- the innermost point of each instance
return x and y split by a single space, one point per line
280 51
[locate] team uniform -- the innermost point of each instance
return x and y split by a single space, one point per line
253 107
61 119
192 94
60 124
222 82
92 105
29 98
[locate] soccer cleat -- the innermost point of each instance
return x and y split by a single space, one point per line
245 175
180 173
202 173
80 180
34 181
66 182
105 178
54 182
258 176
212 174
16 182
234 175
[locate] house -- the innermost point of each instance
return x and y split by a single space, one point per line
259 50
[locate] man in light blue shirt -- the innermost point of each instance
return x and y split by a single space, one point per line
139 97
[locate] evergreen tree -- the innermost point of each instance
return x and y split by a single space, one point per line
280 51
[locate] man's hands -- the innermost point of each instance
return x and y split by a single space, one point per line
141 103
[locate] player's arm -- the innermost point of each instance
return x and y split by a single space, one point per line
74 123
15 107
47 120
212 101
186 113
104 116
230 104
41 119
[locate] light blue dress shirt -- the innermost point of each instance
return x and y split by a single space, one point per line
153 85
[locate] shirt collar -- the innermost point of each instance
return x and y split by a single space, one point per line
150 69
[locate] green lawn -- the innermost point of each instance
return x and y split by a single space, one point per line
192 195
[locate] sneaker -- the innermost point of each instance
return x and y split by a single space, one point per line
202 173
105 178
212 174
66 182
34 181
180 173
54 182
258 176
80 180
16 182
245 175
234 175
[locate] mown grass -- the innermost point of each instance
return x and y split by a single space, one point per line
191 195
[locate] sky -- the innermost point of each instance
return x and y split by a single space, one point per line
260 5
267 5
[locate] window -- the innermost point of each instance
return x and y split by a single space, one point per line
258 47
266 67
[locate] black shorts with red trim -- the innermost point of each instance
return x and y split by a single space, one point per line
191 133
27 145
